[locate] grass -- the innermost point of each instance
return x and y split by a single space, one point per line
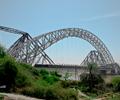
42 84
1 97
47 85
110 96
114 97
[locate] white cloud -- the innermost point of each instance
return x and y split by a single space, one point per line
100 17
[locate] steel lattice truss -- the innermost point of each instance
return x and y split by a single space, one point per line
25 49
94 57
31 50
50 38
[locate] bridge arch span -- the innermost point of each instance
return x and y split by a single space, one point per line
48 39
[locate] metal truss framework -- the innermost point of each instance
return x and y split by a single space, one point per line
50 38
94 57
25 49
31 50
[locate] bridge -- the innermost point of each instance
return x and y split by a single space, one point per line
75 71
31 50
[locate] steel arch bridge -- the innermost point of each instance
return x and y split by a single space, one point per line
53 37
31 50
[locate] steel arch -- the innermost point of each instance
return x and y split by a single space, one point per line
25 48
48 39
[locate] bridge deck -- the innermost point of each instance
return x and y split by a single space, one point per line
69 66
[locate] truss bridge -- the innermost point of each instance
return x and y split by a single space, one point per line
31 50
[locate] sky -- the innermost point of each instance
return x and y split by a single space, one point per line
101 17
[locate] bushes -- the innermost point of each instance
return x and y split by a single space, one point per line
23 78
44 73
2 52
58 93
1 97
8 72
90 82
22 81
51 93
49 77
116 83
38 92
12 74
69 83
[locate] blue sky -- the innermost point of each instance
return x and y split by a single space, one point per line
101 17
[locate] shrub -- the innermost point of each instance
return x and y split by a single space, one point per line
35 72
51 77
1 97
44 72
116 83
51 93
55 74
28 91
58 93
8 72
38 92
69 83
90 82
109 86
2 52
22 80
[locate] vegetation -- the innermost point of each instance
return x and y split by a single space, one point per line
91 81
110 96
2 52
116 83
67 75
8 73
1 97
25 79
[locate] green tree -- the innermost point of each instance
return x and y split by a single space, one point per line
90 80
8 72
2 52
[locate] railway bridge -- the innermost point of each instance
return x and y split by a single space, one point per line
31 50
